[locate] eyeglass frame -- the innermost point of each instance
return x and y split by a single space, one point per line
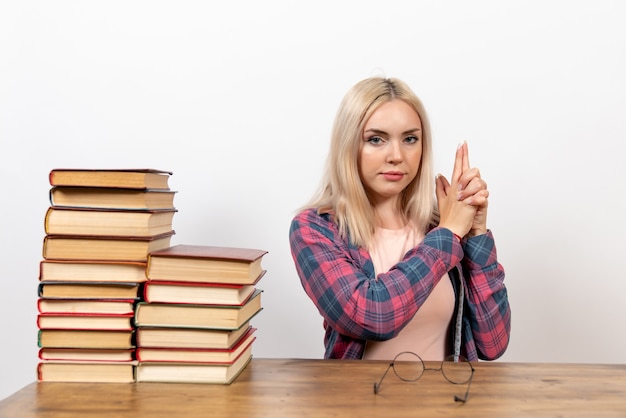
424 368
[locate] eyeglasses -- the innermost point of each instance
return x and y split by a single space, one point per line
409 367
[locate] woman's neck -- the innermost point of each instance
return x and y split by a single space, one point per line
388 217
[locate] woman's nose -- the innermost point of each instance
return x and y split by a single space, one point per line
394 152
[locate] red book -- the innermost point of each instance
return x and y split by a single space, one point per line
87 354
83 321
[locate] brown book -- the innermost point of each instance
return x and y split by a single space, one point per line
87 372
176 372
86 354
72 338
189 337
197 316
103 248
141 178
92 271
196 355
111 222
111 198
86 306
203 263
196 293
84 321
89 290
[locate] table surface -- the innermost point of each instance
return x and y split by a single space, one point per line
342 388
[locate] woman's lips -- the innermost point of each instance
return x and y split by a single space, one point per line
393 175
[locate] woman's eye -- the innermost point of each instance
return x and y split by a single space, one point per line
374 140
411 139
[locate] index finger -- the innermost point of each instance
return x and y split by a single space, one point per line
458 164
466 164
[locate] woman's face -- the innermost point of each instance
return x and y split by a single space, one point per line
391 150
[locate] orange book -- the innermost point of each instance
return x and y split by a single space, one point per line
138 178
203 263
85 321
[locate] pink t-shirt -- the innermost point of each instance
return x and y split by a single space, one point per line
427 332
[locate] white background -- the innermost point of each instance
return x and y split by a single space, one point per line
237 99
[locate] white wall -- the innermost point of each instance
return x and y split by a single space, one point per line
237 99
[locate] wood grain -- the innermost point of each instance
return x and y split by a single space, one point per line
331 388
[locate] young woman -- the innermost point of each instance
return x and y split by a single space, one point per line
393 258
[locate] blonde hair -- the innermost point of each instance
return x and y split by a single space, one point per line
341 192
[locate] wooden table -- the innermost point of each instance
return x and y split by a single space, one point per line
332 388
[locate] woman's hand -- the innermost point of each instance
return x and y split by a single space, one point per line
473 190
467 188
455 213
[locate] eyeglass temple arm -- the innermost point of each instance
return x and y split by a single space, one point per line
464 398
377 384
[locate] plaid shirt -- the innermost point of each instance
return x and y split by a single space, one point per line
356 307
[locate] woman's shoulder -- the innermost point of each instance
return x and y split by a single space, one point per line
315 219
313 215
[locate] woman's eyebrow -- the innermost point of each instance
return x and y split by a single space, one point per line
381 132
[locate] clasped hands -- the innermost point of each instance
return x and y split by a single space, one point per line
463 202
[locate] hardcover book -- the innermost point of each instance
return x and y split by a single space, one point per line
92 271
72 338
196 355
197 316
86 372
189 337
111 198
83 321
141 178
203 263
86 354
103 248
89 290
111 222
86 306
196 293
217 373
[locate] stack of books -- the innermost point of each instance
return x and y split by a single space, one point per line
193 322
100 227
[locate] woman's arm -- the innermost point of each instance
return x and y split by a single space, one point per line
487 309
340 279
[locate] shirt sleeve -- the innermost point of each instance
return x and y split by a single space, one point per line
340 280
487 307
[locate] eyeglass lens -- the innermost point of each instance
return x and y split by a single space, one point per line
409 367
